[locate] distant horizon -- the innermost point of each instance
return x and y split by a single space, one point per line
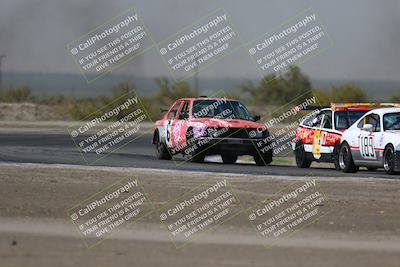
67 83
202 77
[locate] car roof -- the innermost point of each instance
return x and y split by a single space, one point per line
382 111
206 98
345 109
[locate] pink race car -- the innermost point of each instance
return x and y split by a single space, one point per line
197 127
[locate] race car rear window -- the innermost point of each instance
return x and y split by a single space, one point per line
391 121
344 119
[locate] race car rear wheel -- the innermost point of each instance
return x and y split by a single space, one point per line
301 158
335 156
389 159
229 159
346 162
263 159
198 158
161 149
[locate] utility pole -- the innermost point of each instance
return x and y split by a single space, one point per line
1 74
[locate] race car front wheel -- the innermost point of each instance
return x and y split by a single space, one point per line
161 149
346 162
389 159
193 153
301 158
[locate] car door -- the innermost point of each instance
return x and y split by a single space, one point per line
179 126
326 132
305 132
322 125
171 119
367 141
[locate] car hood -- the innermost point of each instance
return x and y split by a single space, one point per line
221 123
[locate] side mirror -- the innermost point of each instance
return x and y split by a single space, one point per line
368 127
256 117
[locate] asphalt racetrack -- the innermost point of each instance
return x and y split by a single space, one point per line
58 148
42 175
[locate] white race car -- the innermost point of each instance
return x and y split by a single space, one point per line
373 141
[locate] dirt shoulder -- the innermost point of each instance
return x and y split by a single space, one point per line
361 227
36 190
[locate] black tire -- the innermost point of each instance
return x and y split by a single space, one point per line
389 159
161 149
335 157
301 158
346 162
198 158
193 155
263 159
228 158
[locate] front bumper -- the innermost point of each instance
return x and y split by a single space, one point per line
237 146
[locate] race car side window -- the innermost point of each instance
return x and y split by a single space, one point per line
391 121
327 119
309 119
360 124
172 113
375 121
184 113
372 119
318 120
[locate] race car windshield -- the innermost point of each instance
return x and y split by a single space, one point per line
391 121
344 119
220 109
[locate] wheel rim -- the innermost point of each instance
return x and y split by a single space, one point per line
388 159
344 153
159 147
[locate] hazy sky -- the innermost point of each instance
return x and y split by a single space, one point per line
366 33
